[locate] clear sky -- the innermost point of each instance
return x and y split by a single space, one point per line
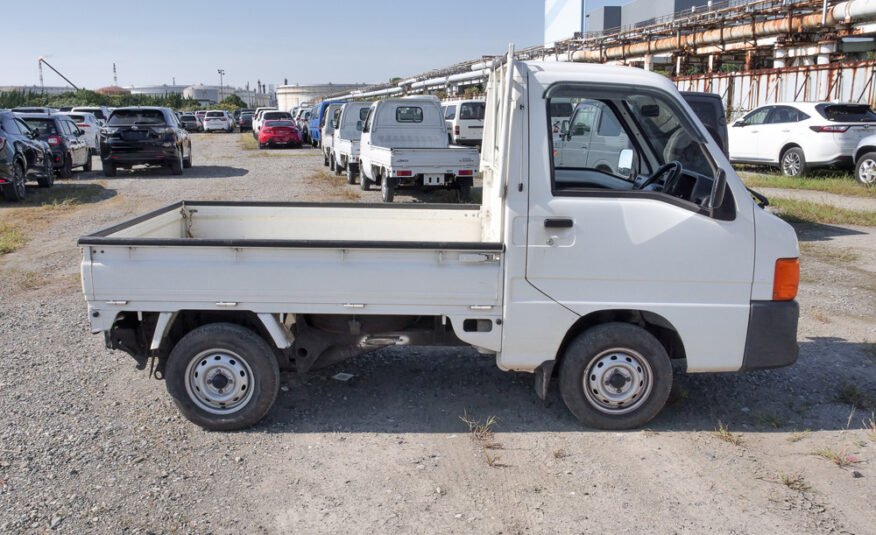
338 41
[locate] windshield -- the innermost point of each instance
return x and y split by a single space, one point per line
472 110
846 113
129 117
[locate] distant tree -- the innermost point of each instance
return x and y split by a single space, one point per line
233 101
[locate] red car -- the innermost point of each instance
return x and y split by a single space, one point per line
279 132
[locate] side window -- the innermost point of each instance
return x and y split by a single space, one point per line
757 116
368 120
783 114
22 126
64 127
409 114
450 113
596 150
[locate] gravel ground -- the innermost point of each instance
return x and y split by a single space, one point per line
88 444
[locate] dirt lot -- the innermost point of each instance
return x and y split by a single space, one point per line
88 444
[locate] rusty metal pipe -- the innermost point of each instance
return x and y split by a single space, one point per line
844 12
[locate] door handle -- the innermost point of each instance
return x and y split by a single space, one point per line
558 223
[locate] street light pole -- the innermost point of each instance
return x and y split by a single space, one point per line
221 74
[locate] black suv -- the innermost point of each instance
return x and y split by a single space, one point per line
68 142
22 157
147 136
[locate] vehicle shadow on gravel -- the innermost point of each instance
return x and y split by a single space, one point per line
809 232
196 171
427 390
439 196
64 194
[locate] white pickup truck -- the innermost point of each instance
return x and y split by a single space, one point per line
345 140
605 278
327 130
404 143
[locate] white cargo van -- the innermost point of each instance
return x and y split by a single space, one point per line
465 121
602 277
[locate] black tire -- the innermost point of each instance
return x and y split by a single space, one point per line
47 178
16 191
463 192
331 163
261 145
66 170
351 175
248 368
325 161
865 169
363 181
187 162
624 354
335 166
87 166
387 189
109 169
176 166
793 162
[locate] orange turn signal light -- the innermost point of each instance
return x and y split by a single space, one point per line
787 279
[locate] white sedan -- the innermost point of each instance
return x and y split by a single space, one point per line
800 136
88 123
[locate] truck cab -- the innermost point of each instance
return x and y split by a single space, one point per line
327 130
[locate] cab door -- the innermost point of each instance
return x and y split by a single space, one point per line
595 243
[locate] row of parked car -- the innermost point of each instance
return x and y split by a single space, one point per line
38 144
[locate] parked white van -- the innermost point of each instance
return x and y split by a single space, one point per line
327 130
345 140
465 121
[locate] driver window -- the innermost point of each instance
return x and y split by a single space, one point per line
596 146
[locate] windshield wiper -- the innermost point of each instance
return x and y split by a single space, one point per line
762 201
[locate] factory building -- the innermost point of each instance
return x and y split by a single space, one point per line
289 96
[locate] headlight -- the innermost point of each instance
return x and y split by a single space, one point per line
108 131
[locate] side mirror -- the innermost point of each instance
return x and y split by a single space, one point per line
35 133
719 189
739 123
625 162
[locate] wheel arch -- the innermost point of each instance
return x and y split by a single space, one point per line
787 146
654 323
862 151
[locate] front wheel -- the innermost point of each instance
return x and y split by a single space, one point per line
351 174
865 170
222 377
87 165
387 189
794 162
615 376
16 190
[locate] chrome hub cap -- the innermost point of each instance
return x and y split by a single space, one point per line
618 381
867 172
791 164
219 381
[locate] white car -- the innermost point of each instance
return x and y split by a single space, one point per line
89 124
465 121
865 161
217 120
102 113
257 119
799 136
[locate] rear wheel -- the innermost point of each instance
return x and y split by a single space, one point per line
325 161
261 145
865 170
16 190
109 169
176 167
463 194
187 162
222 377
615 376
47 179
363 181
66 170
336 167
793 162
387 189
87 166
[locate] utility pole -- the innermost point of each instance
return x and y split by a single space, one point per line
221 74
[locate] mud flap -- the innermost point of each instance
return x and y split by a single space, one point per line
543 378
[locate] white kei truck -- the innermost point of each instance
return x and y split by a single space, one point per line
607 279
327 130
404 143
346 137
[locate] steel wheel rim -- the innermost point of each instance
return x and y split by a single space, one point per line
219 381
618 381
867 172
791 164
